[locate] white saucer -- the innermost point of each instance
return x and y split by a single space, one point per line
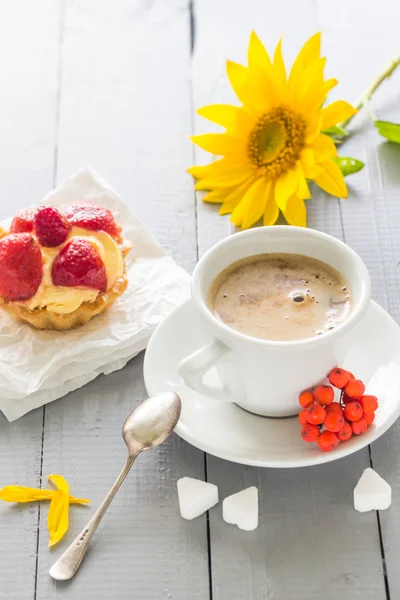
229 432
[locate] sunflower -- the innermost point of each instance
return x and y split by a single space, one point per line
274 143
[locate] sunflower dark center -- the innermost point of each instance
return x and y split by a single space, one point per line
276 141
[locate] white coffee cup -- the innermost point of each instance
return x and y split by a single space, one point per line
265 377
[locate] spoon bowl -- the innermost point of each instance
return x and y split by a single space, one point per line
151 422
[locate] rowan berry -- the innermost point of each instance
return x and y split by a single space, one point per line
354 388
303 417
334 422
345 433
315 414
338 377
310 433
306 399
327 441
369 403
353 411
324 394
370 418
359 426
334 408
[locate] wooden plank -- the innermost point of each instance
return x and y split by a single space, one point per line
310 538
28 80
371 217
125 110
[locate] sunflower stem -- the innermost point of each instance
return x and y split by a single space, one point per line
367 95
368 109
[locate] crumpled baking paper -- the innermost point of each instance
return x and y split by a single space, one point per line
37 367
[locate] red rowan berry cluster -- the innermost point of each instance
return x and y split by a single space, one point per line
328 422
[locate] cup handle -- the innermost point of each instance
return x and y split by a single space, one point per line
193 368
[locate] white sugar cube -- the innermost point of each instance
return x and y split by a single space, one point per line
241 509
195 497
372 492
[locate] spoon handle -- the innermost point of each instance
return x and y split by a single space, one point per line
68 563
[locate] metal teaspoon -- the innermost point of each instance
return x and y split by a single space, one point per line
146 427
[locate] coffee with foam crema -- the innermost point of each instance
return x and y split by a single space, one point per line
280 297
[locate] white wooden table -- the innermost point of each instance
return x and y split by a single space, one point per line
115 84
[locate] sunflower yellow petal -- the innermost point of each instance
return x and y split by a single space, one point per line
254 202
331 180
57 519
222 114
221 170
237 121
221 181
329 84
308 164
257 55
285 186
314 126
279 66
320 98
238 76
311 82
295 213
262 74
308 54
271 212
303 190
246 89
336 113
316 97
234 196
224 176
216 167
216 196
246 211
324 148
218 143
219 166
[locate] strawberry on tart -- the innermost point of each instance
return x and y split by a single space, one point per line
61 267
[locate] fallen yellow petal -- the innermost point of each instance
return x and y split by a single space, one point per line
73 500
57 519
59 505
18 493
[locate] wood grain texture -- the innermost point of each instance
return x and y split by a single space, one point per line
371 218
310 538
125 109
28 81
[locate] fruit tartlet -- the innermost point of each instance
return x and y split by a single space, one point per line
61 267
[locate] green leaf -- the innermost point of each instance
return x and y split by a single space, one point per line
348 165
337 133
390 131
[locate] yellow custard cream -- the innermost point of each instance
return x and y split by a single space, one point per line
63 300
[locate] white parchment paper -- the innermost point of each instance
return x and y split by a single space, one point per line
37 367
